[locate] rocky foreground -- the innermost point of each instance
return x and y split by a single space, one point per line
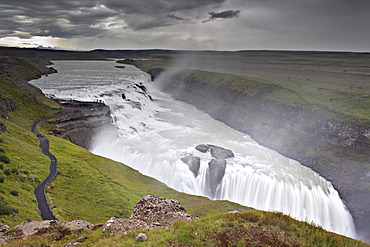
151 212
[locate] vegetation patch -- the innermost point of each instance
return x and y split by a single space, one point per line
252 228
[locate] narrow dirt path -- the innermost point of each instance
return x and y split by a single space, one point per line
43 205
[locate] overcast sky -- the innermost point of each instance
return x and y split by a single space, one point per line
342 25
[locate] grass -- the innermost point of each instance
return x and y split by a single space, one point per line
25 165
94 188
329 99
252 228
89 187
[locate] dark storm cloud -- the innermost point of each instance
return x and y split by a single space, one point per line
275 23
70 18
228 14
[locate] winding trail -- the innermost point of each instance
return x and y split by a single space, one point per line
44 207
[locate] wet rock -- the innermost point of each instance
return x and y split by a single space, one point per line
221 153
216 151
120 67
141 86
193 162
202 148
141 237
135 104
216 171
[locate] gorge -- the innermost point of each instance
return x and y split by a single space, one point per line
157 133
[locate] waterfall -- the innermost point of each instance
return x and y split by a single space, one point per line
157 133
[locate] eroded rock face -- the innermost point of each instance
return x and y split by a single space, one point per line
79 122
193 162
150 212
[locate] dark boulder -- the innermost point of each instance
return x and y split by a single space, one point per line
216 171
221 153
202 148
193 162
216 151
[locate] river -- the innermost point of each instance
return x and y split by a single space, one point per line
156 133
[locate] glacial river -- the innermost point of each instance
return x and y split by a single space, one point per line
155 132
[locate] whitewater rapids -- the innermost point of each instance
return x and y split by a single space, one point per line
155 132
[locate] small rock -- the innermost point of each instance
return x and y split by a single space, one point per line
4 228
202 148
141 237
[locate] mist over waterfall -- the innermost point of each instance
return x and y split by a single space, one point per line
191 152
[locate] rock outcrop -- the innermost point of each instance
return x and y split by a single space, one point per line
150 212
79 122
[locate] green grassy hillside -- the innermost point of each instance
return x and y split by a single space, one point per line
25 165
90 187
94 189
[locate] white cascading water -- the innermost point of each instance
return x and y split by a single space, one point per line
155 132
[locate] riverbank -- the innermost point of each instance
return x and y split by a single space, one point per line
89 187
329 142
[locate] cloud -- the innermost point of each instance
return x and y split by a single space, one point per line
228 14
265 24
79 18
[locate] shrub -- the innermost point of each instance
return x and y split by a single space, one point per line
6 209
4 158
14 193
32 178
2 179
2 150
14 170
7 172
1 166
22 178
24 171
